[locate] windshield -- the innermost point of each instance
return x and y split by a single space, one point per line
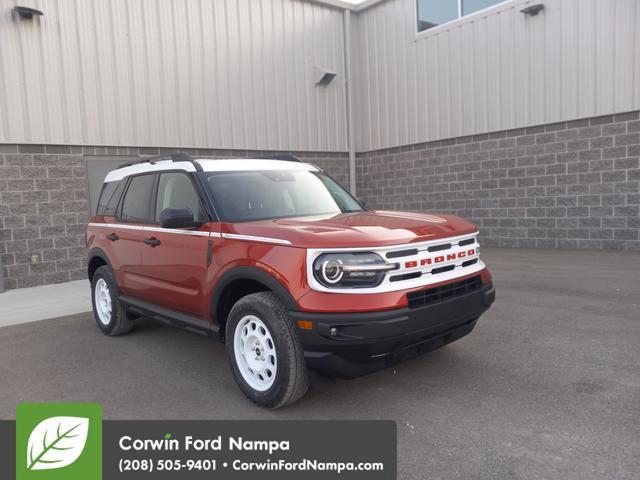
265 195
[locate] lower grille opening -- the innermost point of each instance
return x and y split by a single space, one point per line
445 292
469 262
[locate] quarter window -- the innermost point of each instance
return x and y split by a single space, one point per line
136 206
175 190
432 13
110 197
105 196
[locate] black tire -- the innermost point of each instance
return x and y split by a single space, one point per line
291 380
120 323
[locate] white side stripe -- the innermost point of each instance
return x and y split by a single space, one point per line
178 231
251 238
230 236
196 233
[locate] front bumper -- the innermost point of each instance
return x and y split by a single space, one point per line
365 342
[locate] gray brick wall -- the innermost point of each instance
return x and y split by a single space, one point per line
573 185
566 185
44 206
43 210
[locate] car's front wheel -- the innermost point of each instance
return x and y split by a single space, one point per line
109 313
264 351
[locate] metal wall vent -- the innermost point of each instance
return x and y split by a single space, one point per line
533 10
26 12
323 76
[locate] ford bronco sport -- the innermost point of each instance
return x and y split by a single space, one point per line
283 265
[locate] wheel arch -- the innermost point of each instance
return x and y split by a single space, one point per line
239 282
96 259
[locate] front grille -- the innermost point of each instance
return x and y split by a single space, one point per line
402 253
445 292
438 270
439 248
406 276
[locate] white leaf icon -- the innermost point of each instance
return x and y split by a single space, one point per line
57 442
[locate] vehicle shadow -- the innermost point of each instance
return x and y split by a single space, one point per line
328 397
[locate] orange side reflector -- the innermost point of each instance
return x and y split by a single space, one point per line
305 324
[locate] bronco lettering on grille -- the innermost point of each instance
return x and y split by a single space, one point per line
440 258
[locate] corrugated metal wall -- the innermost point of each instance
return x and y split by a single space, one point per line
239 74
233 74
494 70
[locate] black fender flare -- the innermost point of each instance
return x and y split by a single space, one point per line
99 253
251 273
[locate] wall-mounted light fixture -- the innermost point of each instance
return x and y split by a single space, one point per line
533 10
26 13
323 76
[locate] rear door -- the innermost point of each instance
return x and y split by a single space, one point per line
175 263
128 235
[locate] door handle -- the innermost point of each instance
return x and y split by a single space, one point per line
113 237
153 241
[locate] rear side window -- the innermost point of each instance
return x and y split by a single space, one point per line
175 190
136 206
110 197
105 196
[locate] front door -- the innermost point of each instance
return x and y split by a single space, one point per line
175 261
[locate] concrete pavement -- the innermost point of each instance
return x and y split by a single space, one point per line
547 386
25 305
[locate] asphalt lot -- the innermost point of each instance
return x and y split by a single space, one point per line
547 386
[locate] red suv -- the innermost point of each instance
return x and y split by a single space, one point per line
281 263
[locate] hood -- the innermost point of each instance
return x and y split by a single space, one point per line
359 229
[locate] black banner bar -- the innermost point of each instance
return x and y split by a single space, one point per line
237 450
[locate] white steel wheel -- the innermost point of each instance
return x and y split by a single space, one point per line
255 353
102 297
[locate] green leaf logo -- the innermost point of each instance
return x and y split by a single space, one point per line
57 442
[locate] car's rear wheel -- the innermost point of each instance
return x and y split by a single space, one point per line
110 314
264 351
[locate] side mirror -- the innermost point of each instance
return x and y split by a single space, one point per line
177 218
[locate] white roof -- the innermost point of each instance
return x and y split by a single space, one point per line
209 165
233 165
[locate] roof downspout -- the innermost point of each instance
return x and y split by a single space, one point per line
2 288
349 102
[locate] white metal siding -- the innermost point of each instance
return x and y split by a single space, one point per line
494 70
233 74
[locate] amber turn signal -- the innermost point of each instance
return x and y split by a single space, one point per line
305 324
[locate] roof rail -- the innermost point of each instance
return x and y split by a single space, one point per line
287 157
175 157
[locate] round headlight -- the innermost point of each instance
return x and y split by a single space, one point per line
332 270
351 270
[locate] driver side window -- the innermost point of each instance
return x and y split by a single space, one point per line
175 190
